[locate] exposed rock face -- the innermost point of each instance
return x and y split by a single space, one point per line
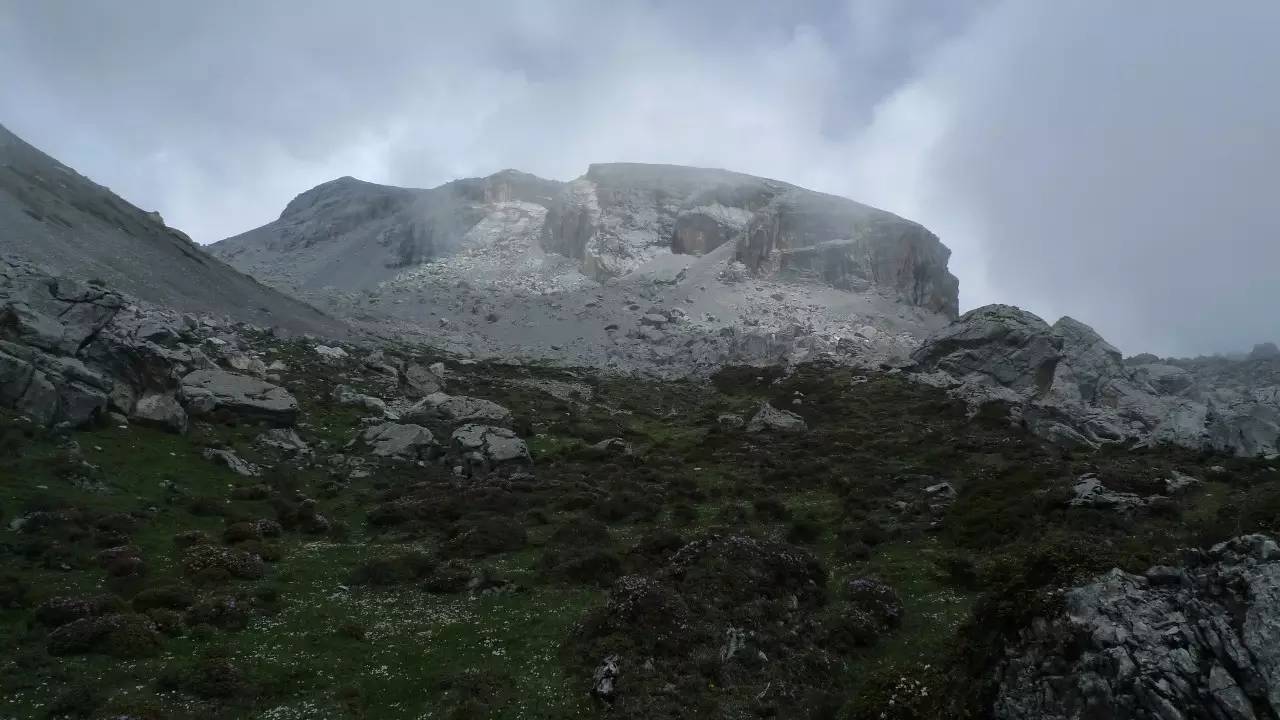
76 229
619 216
69 352
1199 641
220 393
1071 386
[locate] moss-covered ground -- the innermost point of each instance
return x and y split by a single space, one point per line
356 615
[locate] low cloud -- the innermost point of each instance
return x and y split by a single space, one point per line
1108 161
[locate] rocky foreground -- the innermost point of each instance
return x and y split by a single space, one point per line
204 518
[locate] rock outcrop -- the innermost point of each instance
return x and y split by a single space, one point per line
403 441
484 447
1068 384
220 394
1197 641
69 352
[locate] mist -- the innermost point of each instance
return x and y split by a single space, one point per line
1112 162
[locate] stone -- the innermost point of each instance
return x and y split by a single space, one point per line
771 419
160 410
487 446
220 394
285 440
1204 636
729 421
233 462
345 395
1089 492
997 345
402 441
417 381
330 354
613 446
457 409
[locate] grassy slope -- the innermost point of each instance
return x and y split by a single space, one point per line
317 646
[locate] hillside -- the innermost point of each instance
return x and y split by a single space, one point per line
66 223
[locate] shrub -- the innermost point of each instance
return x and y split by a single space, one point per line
770 509
394 570
172 597
486 535
804 531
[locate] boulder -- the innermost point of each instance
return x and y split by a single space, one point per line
417 381
487 446
330 354
1197 641
218 394
285 440
998 345
345 395
1089 492
233 462
161 410
402 441
456 409
771 419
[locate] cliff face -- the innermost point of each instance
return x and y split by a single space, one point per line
619 216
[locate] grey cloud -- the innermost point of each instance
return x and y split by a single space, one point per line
1108 161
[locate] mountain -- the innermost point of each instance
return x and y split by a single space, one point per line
350 234
654 268
72 227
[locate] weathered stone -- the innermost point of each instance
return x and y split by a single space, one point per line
221 394
1201 641
396 440
771 419
286 440
162 410
486 446
439 407
233 462
344 395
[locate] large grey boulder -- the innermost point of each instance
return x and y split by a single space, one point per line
225 395
162 410
997 345
1197 641
484 447
396 440
441 407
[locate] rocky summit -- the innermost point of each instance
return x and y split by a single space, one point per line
653 268
659 442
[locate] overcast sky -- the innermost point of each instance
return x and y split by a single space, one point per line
1115 161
